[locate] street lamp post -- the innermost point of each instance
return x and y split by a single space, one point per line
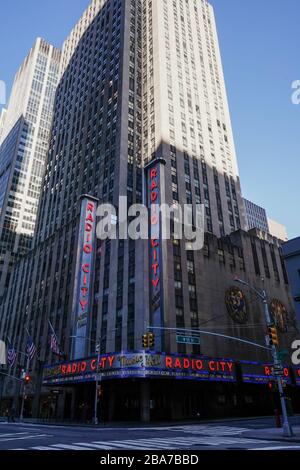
262 295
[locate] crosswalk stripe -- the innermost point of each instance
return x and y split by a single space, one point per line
34 436
164 442
147 445
121 445
93 445
43 448
139 442
276 448
69 447
13 434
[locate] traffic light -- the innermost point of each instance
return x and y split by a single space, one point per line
272 386
151 340
145 341
273 336
27 379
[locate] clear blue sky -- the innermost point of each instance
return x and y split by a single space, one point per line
260 48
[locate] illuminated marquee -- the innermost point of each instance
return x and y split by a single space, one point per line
84 269
156 365
257 373
297 375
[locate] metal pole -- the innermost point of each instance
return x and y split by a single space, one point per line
96 420
287 428
24 390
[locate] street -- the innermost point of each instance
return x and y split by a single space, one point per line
255 434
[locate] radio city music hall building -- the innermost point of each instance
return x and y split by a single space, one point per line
141 111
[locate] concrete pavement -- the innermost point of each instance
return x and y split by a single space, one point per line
230 435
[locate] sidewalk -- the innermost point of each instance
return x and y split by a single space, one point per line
132 424
273 434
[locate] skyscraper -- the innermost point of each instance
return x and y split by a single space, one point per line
24 143
256 216
2 120
140 111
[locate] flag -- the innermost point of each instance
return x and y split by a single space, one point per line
54 344
30 348
11 355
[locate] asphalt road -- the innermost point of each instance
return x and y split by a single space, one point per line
213 435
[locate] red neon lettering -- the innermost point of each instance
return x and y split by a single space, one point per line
153 185
154 243
87 248
199 364
83 304
268 370
88 227
89 218
286 372
153 173
153 196
154 220
90 207
93 364
186 363
211 365
177 363
86 268
155 282
169 361
230 366
155 268
84 291
111 360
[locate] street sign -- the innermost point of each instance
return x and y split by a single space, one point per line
181 339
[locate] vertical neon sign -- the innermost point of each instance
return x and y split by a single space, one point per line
83 277
154 173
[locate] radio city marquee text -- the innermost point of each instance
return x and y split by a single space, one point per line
138 360
155 230
88 251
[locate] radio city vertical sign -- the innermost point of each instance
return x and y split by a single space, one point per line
83 275
154 182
